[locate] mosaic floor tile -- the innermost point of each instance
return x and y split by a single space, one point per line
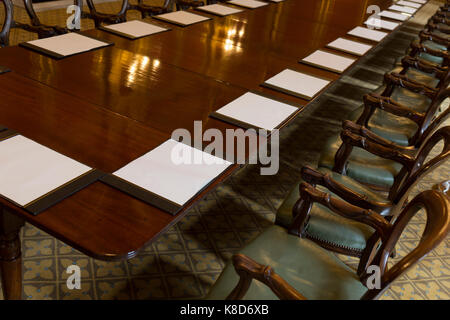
41 269
149 288
113 290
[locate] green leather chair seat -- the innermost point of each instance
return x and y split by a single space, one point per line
325 225
435 46
313 271
419 76
429 57
362 166
396 129
415 101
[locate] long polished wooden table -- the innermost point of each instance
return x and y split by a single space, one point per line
107 107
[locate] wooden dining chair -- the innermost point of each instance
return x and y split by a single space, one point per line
147 10
35 26
187 4
107 18
318 223
279 265
7 23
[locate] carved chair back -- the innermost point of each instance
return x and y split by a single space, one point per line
7 23
100 18
437 207
123 8
32 13
417 167
166 4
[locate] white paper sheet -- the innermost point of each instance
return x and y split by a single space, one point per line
182 17
408 10
300 83
393 15
329 60
29 170
219 9
419 1
68 44
365 33
136 28
409 4
350 46
158 173
380 23
251 4
257 110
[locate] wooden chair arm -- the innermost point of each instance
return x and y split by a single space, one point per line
435 19
371 136
248 269
315 177
424 66
418 47
391 152
399 80
346 210
374 101
435 23
426 35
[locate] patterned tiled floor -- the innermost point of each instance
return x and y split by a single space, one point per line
184 262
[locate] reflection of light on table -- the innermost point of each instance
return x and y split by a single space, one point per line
141 64
230 44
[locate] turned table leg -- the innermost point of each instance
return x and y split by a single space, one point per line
10 255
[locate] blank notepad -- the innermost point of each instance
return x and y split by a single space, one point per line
409 4
257 111
419 1
350 46
29 170
219 9
379 23
134 29
66 44
393 15
251 4
182 18
296 83
365 33
158 173
328 61
408 10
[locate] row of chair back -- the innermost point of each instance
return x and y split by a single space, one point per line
45 31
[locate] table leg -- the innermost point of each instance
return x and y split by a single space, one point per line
10 255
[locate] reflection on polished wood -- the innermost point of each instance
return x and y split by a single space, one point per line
107 107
